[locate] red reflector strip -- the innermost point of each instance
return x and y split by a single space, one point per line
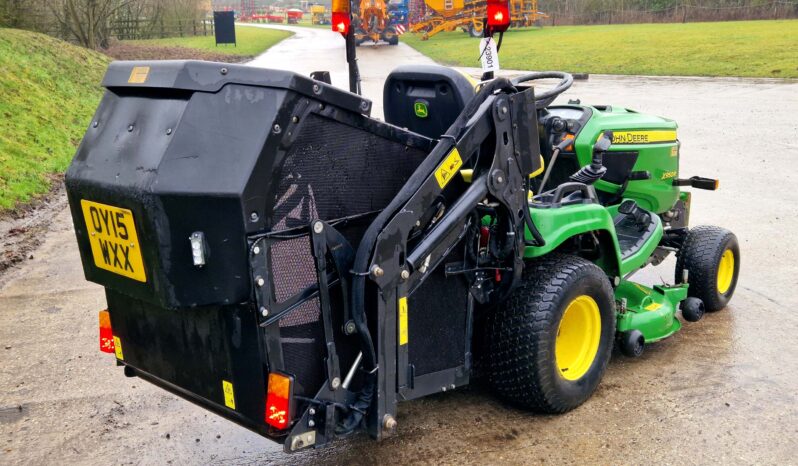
278 401
106 333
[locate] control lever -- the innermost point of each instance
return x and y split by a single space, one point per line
593 172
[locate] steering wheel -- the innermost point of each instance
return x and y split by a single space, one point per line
546 97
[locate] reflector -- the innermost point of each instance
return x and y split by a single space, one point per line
106 333
278 400
341 18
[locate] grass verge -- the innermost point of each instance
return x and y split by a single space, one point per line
251 41
49 91
740 48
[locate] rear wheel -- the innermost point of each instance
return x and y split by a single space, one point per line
711 257
475 30
549 344
390 36
360 37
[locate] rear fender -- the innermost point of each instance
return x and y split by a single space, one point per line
557 225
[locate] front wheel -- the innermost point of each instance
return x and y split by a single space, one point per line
550 342
711 257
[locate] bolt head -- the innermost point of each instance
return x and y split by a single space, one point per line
336 382
377 271
318 227
276 128
311 411
311 423
405 274
264 312
254 217
256 250
223 71
350 328
260 281
168 131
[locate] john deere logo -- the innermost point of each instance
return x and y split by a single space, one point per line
421 109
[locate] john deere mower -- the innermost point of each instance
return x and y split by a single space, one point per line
276 255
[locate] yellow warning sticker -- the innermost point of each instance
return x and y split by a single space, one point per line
653 306
643 137
403 321
118 348
139 75
229 396
448 168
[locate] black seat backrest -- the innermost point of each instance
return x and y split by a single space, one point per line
425 99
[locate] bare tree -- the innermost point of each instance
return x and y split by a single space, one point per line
87 20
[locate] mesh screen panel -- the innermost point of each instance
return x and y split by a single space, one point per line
332 171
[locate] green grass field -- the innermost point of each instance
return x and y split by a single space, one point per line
740 48
251 41
49 91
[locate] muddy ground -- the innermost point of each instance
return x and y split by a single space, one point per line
127 51
722 391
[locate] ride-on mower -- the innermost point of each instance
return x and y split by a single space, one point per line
272 253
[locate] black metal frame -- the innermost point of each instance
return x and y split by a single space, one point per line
507 115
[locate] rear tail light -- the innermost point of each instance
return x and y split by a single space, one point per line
498 15
106 333
341 19
278 400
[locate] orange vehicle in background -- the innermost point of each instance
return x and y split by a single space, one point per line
372 23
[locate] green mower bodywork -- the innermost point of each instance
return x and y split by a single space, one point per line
652 311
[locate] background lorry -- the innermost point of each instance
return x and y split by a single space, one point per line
303 268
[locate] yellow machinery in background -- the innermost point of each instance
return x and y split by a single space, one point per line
469 15
318 15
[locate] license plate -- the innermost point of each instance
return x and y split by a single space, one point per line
114 243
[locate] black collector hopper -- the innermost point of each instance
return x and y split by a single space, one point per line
225 154
233 214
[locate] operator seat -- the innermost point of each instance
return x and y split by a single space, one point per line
425 99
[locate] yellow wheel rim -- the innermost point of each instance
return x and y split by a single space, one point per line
725 271
578 337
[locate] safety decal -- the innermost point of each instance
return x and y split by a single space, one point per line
139 75
403 321
448 168
229 395
118 348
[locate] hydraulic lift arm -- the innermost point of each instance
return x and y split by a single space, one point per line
500 121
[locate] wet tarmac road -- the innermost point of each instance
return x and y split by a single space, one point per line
723 390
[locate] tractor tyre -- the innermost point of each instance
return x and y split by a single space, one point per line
360 37
475 31
549 343
390 36
711 257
